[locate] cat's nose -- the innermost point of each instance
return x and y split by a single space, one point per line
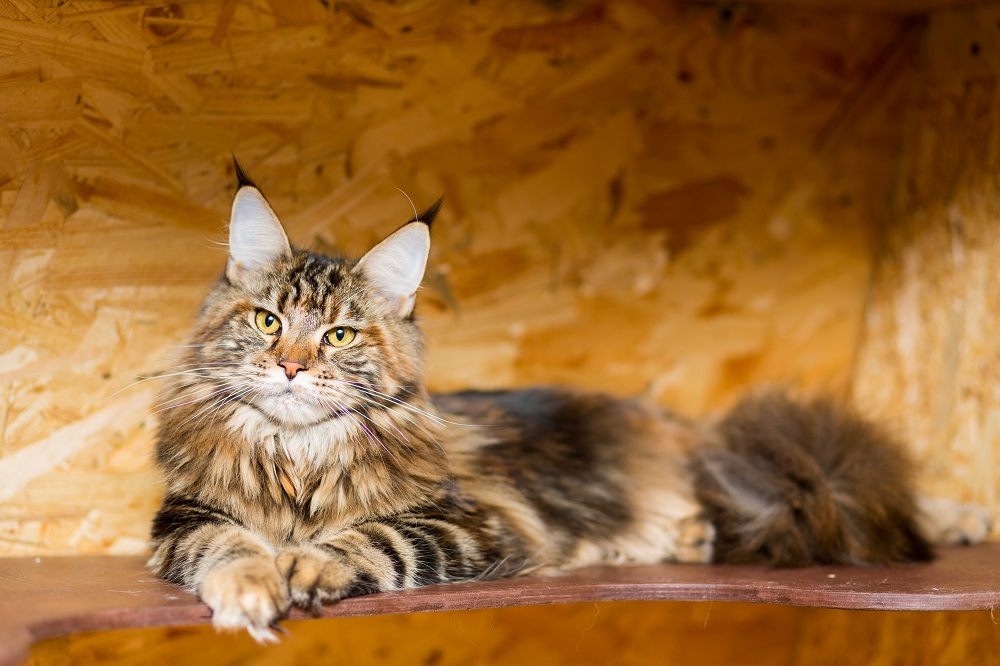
291 368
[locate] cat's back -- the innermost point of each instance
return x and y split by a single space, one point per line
559 438
533 417
558 424
586 475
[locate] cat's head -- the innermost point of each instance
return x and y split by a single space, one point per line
305 339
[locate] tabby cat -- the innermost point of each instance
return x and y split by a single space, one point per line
305 461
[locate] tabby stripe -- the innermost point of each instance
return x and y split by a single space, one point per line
176 521
459 551
239 544
383 543
322 285
364 583
368 560
214 550
188 556
427 556
310 281
292 280
179 518
186 553
166 565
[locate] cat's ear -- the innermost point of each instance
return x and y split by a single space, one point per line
256 238
396 265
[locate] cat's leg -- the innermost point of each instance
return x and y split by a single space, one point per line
391 554
946 522
232 569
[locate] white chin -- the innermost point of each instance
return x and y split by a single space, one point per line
292 409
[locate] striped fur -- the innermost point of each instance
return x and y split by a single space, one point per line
350 478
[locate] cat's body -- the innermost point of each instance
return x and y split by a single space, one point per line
305 461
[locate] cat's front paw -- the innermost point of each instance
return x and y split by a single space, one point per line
315 577
249 593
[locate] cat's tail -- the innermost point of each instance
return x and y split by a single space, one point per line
797 483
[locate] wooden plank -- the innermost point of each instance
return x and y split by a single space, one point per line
48 597
623 633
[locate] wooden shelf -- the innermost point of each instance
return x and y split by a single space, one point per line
48 597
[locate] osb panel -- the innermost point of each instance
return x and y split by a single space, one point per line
608 633
677 201
930 359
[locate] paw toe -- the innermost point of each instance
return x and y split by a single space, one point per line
246 595
302 568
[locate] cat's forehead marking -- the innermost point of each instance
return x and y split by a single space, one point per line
311 282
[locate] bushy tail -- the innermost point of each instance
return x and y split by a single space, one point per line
793 484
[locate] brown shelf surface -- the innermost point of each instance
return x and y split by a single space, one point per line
47 597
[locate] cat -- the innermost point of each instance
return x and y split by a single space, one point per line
306 462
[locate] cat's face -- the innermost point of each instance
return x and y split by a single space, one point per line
303 339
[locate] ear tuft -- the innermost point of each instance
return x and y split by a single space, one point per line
396 265
242 179
256 238
429 215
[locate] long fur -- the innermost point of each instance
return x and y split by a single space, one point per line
793 484
349 477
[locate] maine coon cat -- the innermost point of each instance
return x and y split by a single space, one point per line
306 462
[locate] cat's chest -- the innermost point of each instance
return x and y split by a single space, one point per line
300 449
301 479
289 468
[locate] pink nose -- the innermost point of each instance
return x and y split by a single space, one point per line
291 368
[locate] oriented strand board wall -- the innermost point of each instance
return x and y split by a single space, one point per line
930 360
642 197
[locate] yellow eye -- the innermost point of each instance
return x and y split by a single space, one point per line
267 322
340 336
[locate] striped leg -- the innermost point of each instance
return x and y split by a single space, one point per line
401 552
231 569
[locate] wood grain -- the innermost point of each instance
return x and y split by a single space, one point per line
49 597
929 362
622 633
911 7
676 199
642 198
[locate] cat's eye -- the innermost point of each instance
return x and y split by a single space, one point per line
340 336
268 323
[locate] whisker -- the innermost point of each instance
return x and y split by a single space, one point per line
146 378
371 401
234 397
406 405
217 404
213 390
432 437
353 415
407 417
